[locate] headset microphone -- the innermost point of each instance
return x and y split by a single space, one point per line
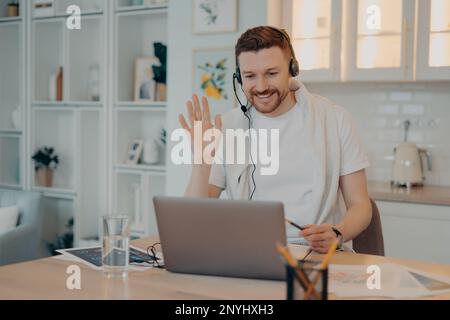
243 108
246 114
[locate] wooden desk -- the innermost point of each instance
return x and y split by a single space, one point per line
46 279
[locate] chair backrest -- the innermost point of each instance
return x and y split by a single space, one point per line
370 241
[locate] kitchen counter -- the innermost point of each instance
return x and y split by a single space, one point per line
433 195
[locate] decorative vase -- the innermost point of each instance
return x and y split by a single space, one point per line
151 153
52 87
161 92
44 177
94 82
16 118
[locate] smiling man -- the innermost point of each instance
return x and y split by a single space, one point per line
321 178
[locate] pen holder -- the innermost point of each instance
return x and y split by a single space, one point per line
300 279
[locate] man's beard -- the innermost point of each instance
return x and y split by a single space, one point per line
274 99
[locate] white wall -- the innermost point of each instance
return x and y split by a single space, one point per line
181 44
379 110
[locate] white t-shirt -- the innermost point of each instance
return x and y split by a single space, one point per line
293 184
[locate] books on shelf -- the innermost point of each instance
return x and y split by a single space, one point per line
56 86
43 8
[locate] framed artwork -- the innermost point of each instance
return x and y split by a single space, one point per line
213 78
215 16
144 85
134 152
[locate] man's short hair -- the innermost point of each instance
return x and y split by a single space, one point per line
263 37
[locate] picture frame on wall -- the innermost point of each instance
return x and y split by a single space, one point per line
144 85
134 152
215 16
213 70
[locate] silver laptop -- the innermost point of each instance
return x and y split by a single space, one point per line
221 237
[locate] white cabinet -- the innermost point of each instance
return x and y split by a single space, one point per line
135 190
315 28
433 42
370 40
380 40
416 231
12 97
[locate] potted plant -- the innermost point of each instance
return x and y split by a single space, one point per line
45 162
64 241
13 8
160 72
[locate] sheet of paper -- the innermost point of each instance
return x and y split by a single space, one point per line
396 282
91 256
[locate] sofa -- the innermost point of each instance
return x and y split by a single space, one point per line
23 242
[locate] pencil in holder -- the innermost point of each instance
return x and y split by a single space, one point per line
309 281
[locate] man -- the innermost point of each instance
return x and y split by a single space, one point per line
321 156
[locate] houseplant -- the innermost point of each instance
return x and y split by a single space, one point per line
160 72
45 162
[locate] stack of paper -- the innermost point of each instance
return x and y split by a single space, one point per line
139 259
385 280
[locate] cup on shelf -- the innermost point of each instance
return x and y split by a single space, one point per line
115 247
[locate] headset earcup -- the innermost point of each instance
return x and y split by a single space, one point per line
238 76
294 68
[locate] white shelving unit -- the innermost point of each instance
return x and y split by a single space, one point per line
133 186
12 98
91 135
75 127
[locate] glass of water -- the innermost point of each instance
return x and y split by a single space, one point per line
115 249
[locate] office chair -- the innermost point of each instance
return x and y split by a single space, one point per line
370 241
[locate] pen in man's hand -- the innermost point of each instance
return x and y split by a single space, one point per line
292 223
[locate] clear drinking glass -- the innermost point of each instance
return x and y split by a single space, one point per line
115 249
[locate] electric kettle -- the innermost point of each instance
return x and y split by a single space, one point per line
408 167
